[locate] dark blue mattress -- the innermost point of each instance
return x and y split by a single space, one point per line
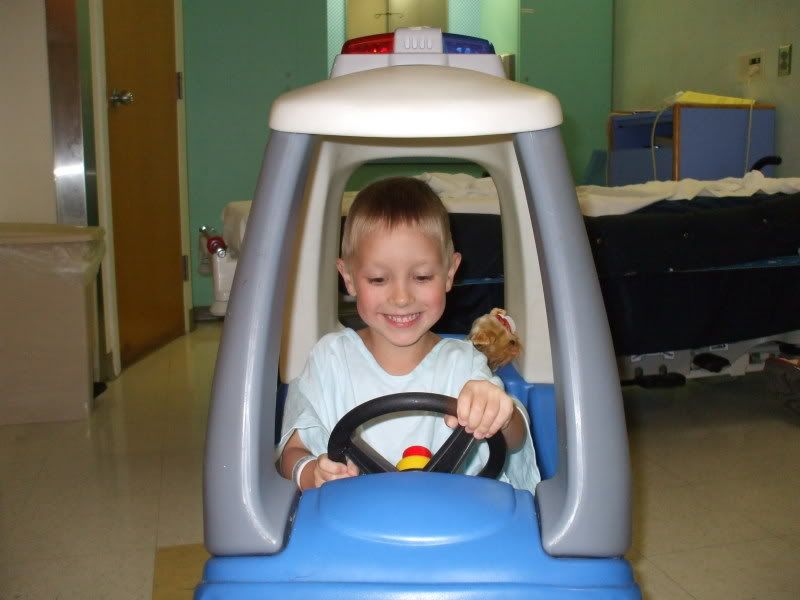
674 275
695 273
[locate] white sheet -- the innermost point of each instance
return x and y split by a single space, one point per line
462 193
596 200
482 199
599 201
478 200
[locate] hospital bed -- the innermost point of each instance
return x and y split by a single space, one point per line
698 278
700 287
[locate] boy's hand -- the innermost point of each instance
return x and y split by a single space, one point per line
483 409
327 470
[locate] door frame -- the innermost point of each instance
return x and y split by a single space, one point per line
104 200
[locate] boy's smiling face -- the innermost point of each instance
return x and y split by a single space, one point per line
399 278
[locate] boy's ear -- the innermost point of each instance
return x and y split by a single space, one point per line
345 273
451 272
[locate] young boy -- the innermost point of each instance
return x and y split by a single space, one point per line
398 262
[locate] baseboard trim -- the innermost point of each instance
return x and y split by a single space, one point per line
202 313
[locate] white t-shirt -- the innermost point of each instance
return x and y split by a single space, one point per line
341 374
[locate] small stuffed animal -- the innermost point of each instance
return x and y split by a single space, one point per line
495 335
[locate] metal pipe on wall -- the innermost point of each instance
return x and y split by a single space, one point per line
69 168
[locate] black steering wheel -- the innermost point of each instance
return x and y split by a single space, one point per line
447 459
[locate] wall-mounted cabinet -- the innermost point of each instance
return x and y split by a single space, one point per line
691 141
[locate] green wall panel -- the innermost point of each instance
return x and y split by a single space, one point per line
566 49
500 25
239 56
464 17
337 17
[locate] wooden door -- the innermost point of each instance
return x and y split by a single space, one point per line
365 17
143 147
368 17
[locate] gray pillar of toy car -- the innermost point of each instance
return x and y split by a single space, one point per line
247 502
585 508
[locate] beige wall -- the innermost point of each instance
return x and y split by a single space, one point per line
662 46
27 189
360 15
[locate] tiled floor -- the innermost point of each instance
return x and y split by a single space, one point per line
717 491
84 506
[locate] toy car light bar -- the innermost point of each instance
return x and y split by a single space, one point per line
423 41
417 46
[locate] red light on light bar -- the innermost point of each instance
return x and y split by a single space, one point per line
382 43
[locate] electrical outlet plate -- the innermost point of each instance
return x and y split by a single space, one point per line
784 60
751 65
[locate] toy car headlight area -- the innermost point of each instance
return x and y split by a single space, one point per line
283 296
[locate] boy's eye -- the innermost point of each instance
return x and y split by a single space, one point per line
424 278
375 280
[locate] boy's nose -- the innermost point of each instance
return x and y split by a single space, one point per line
400 295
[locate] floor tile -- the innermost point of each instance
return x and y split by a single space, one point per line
24 449
647 474
694 439
180 514
653 582
75 528
86 502
770 499
117 576
764 570
178 569
672 519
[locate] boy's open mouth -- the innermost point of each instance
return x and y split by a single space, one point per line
402 320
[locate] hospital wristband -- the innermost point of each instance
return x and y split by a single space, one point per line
297 469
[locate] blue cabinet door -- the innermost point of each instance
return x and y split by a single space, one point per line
723 142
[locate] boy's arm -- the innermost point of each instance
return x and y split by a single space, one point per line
293 451
516 430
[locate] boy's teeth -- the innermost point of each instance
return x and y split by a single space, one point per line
403 318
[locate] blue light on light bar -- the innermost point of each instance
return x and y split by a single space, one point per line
465 44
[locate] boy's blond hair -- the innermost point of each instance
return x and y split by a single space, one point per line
393 202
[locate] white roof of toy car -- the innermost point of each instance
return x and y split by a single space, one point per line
415 101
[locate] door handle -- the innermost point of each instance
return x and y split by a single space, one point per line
119 97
